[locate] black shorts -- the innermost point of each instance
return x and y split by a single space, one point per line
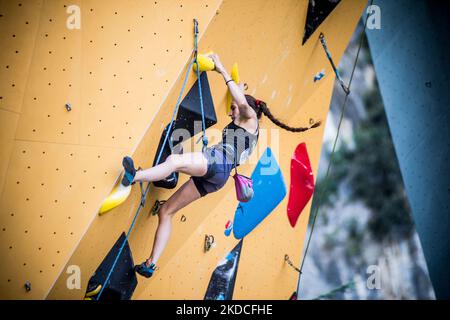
217 174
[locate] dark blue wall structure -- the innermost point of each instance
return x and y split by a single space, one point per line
411 54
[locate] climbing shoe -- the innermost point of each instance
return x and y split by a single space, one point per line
130 171
144 270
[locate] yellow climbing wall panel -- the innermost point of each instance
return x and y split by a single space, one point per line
122 73
57 166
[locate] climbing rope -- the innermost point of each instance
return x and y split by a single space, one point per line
289 262
204 137
347 93
336 71
144 194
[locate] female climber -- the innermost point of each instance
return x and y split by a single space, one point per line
209 170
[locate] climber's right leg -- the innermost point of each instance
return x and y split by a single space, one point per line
193 164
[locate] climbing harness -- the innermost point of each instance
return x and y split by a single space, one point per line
144 193
347 92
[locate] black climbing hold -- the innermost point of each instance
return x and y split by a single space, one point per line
189 115
189 123
171 147
223 279
318 11
123 280
27 286
68 107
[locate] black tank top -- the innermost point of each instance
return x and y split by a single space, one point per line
237 143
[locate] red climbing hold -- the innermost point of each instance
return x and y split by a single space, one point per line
302 183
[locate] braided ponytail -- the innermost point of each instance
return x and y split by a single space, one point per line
260 107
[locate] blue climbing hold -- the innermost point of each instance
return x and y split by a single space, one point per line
319 76
270 190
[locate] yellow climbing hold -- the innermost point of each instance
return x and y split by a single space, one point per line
117 196
235 77
93 292
205 62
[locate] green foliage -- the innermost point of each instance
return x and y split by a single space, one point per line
354 240
371 172
338 291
